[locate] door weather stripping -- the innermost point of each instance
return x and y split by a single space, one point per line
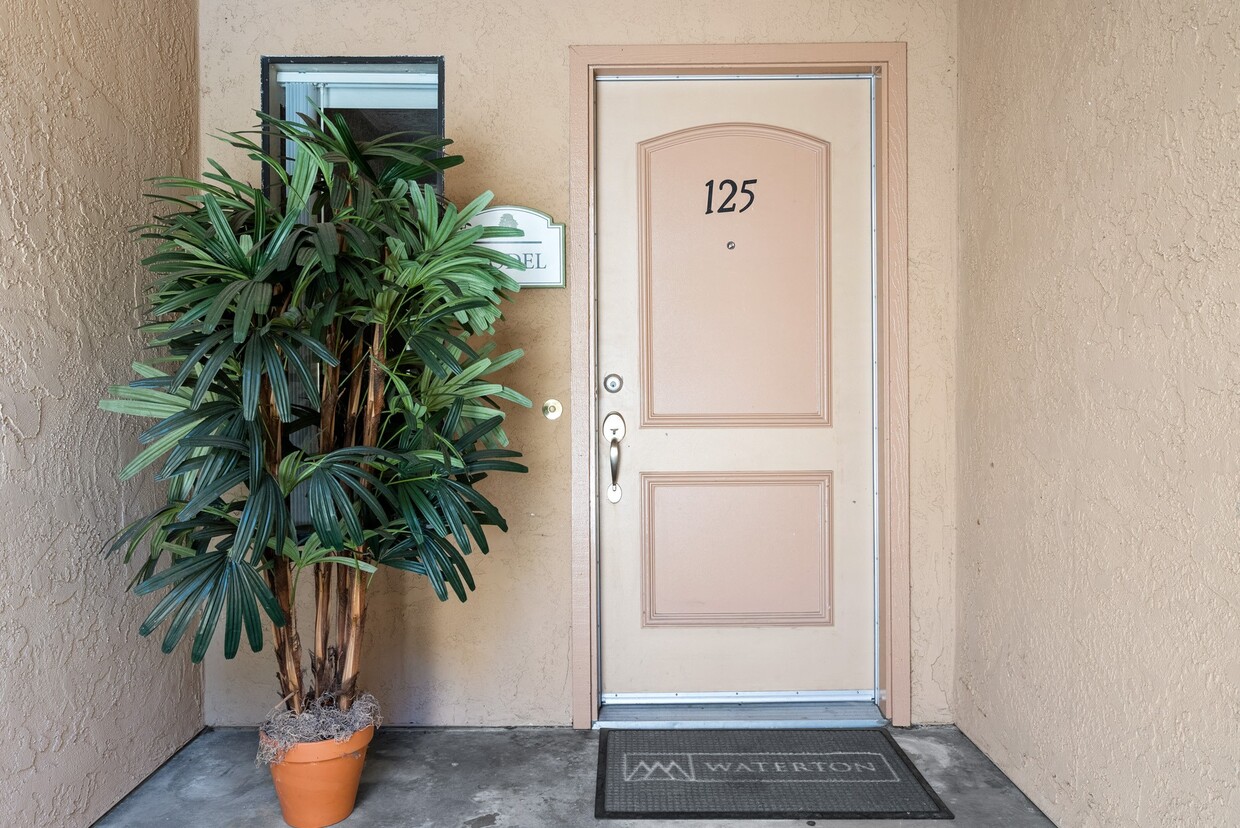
740 697
766 715
820 76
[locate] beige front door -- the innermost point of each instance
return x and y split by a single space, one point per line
735 325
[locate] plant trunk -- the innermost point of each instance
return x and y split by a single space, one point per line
351 642
374 396
344 575
329 396
353 404
320 661
334 670
351 592
287 641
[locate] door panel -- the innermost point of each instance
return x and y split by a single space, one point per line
735 301
688 333
701 529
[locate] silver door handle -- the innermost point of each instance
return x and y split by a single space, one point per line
615 462
613 430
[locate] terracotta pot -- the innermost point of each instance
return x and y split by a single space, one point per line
317 781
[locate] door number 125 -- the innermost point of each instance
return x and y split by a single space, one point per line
727 206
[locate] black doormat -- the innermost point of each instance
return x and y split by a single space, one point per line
759 774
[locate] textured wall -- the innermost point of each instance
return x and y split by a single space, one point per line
503 658
95 100
1099 402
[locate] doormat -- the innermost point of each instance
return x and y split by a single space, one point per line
759 774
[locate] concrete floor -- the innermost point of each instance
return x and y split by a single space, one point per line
508 778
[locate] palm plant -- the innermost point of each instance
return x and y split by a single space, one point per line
323 395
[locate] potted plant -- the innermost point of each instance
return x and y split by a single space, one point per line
324 408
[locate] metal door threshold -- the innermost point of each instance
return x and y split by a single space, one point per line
750 716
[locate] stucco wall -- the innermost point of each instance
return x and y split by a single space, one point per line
503 658
1099 402
97 96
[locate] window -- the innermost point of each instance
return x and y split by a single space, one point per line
376 96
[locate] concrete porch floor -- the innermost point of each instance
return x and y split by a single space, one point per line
508 778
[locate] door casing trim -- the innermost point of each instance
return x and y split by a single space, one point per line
889 62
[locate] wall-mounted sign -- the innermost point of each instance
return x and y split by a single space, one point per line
541 249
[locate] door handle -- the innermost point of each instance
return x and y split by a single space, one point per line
613 430
615 462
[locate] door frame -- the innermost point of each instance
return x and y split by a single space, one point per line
889 62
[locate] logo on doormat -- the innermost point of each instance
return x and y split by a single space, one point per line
842 766
658 767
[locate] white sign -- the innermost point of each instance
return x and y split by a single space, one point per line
541 249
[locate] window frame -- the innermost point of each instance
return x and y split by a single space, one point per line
269 88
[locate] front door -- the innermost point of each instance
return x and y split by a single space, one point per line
736 350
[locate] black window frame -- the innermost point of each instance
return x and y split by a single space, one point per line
267 86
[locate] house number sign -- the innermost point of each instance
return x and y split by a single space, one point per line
540 248
730 186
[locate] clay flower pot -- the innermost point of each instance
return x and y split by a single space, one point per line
317 781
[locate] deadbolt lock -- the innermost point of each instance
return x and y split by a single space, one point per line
613 382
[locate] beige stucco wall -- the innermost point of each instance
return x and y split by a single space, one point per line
1099 402
503 658
96 98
